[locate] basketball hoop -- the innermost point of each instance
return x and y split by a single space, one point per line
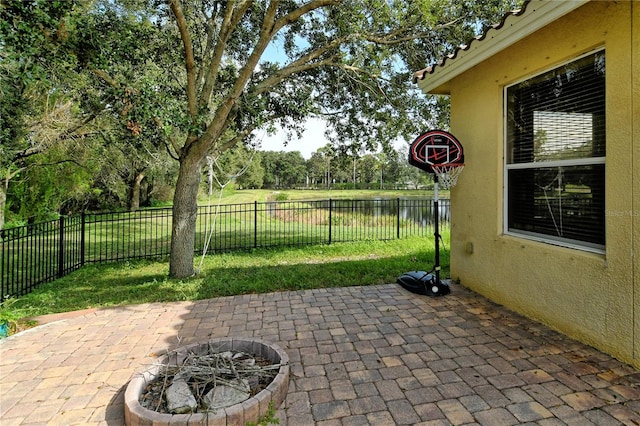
440 153
447 174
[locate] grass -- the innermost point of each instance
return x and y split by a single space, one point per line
125 235
226 274
232 196
367 262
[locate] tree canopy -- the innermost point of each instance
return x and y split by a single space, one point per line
197 78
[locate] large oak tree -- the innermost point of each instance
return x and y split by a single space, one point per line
216 71
347 61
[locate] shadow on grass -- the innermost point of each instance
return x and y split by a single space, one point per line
302 276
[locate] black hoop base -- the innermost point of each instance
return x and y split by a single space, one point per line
421 282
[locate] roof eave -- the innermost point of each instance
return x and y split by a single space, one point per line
538 14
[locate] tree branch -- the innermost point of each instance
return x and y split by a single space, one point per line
247 130
181 22
62 162
221 117
230 21
301 64
211 34
302 10
171 142
68 134
10 175
106 77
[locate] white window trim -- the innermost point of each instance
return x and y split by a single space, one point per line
547 239
557 163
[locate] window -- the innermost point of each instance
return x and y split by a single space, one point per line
555 155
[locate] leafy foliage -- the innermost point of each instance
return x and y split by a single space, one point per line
58 100
284 169
32 33
197 78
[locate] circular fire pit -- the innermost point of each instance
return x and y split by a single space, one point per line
241 413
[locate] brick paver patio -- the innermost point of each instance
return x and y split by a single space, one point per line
375 355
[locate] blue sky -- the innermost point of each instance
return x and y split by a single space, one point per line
312 139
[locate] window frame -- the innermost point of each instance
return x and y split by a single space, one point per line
590 161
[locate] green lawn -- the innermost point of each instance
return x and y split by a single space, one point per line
260 270
256 271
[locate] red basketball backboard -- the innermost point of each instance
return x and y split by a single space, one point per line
435 147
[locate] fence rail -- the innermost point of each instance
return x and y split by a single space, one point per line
45 251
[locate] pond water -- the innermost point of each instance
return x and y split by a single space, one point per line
418 210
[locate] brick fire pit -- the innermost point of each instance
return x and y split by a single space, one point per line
239 414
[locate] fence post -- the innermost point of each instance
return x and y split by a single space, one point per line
255 224
398 217
82 233
330 214
61 247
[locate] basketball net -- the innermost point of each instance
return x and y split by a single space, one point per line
447 174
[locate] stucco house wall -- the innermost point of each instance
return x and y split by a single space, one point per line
593 297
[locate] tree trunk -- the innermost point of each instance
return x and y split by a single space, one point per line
185 209
134 192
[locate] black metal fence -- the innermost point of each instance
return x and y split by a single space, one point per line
42 252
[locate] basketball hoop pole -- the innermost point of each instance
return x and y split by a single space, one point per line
440 153
436 225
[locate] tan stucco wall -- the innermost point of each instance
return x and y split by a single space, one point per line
635 189
592 297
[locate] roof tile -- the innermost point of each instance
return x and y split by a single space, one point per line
420 75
